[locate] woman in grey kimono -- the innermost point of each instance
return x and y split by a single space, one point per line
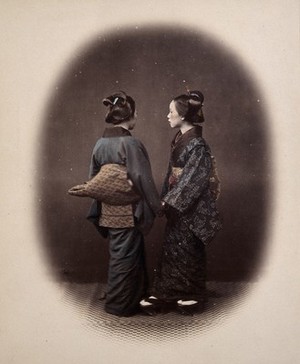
190 207
124 225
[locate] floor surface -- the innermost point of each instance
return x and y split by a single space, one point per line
223 298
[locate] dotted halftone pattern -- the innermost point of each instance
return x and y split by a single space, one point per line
224 299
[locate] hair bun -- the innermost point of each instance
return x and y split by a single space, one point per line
117 98
107 101
196 97
189 106
121 107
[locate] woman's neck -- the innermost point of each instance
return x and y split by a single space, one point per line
122 125
186 127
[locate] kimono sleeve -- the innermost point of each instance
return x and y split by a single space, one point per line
95 208
165 186
139 171
94 164
193 180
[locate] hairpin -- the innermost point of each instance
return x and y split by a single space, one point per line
115 100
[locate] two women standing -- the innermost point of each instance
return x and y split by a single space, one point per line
187 200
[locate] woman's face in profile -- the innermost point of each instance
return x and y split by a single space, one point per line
175 120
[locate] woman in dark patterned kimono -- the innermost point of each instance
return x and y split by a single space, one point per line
190 207
124 225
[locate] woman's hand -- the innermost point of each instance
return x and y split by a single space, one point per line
170 212
161 212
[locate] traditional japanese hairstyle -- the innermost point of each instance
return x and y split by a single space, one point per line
189 106
121 107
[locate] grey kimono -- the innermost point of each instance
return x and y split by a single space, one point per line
127 278
118 146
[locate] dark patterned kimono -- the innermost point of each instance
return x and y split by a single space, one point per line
125 225
192 219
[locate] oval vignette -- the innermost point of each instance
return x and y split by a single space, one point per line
155 64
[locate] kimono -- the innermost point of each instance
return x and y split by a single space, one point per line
193 219
125 225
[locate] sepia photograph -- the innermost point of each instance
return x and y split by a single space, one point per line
149 194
